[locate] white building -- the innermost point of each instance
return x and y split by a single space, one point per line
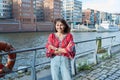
116 18
72 11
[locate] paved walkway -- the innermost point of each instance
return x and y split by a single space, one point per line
107 70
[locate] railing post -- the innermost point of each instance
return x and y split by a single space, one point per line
0 57
33 70
73 66
95 53
109 49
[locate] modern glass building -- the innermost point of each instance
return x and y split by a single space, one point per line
5 9
72 11
92 17
97 17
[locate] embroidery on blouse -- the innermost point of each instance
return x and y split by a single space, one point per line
60 41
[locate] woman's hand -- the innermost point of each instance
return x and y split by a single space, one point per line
60 50
52 47
57 50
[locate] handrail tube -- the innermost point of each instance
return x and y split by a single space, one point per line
42 63
82 55
85 53
26 67
93 40
108 37
85 41
22 50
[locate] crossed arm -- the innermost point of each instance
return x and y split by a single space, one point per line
60 50
57 50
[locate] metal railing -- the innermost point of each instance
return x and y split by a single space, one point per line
73 62
74 71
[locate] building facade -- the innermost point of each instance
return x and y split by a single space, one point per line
38 10
88 17
105 16
97 17
5 9
72 11
117 19
52 10
23 11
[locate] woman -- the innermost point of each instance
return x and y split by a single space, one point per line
60 48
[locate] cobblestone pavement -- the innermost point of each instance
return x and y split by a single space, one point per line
106 70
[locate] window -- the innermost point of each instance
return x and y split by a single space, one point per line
26 0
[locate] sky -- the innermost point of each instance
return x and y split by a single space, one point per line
111 6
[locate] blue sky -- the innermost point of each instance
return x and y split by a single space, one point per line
111 6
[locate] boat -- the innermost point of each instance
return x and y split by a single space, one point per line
82 28
107 26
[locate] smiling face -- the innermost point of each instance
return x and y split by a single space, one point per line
59 27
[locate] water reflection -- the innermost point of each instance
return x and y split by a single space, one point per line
25 40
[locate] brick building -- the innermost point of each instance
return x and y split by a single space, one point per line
23 12
52 9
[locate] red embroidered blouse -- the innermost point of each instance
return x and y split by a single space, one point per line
67 43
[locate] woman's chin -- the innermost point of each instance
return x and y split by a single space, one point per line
59 31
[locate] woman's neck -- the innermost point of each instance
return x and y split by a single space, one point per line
60 34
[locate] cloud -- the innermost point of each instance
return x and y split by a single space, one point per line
102 5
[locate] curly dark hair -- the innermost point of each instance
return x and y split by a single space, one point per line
67 28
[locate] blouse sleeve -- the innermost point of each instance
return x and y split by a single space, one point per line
49 52
70 49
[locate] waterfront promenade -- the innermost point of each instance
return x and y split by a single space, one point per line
107 70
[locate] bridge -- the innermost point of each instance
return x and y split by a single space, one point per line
87 65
